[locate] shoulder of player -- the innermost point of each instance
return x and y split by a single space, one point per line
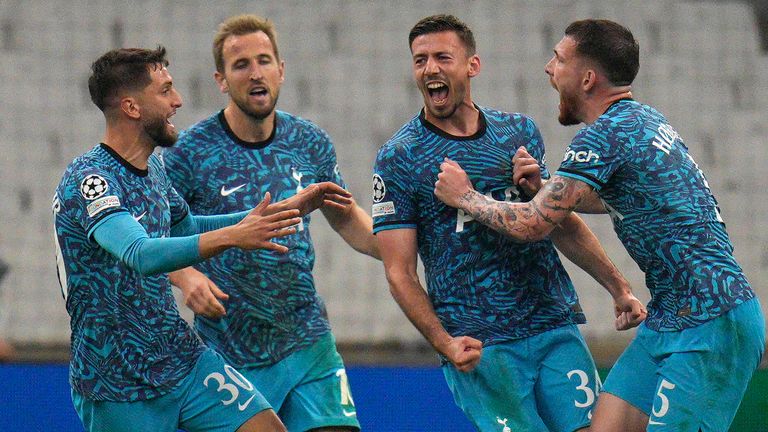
505 119
308 131
405 137
200 132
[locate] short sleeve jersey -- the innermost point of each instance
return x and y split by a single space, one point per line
273 309
128 341
663 212
480 282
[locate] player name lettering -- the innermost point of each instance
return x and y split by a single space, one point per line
665 137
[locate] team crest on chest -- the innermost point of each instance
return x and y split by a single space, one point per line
93 186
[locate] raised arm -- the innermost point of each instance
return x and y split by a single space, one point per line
526 173
125 238
525 222
398 251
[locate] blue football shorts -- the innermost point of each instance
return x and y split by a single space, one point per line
213 397
309 389
693 379
546 382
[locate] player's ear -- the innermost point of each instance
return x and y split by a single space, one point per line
474 65
282 71
130 106
589 80
221 81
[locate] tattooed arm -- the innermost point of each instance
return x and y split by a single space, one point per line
549 212
526 173
525 222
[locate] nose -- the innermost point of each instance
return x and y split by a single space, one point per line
548 67
431 67
176 102
256 73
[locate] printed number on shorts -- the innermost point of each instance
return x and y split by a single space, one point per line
223 385
589 393
662 411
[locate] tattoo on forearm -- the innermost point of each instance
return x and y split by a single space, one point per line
523 221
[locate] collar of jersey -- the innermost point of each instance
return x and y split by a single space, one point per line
138 171
244 143
480 128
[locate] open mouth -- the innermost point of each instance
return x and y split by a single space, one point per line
258 92
438 92
168 120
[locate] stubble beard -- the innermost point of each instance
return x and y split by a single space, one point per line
567 115
257 114
157 129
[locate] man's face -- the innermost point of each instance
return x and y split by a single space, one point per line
252 74
565 71
159 102
442 69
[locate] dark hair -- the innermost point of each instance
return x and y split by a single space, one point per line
610 45
441 23
122 69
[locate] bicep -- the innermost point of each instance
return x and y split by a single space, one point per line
398 248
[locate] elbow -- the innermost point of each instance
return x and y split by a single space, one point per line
541 233
142 270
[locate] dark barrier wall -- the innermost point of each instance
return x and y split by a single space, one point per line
36 398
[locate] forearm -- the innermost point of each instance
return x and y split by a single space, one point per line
579 244
591 204
195 224
413 300
215 242
523 222
126 239
356 228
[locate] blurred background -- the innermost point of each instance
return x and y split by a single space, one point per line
703 64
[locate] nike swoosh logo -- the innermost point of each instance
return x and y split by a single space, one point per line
349 413
138 218
227 192
652 422
242 407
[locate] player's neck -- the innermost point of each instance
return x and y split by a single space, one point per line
130 143
465 121
598 104
246 127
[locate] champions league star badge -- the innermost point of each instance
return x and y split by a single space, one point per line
93 186
379 189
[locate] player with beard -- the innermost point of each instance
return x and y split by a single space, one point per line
120 225
259 309
689 365
501 315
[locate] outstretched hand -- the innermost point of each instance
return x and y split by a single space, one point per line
629 312
318 195
526 172
259 227
452 183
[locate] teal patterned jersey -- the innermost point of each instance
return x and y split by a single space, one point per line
273 308
481 283
663 212
128 341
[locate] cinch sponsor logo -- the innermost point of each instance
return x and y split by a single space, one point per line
580 156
